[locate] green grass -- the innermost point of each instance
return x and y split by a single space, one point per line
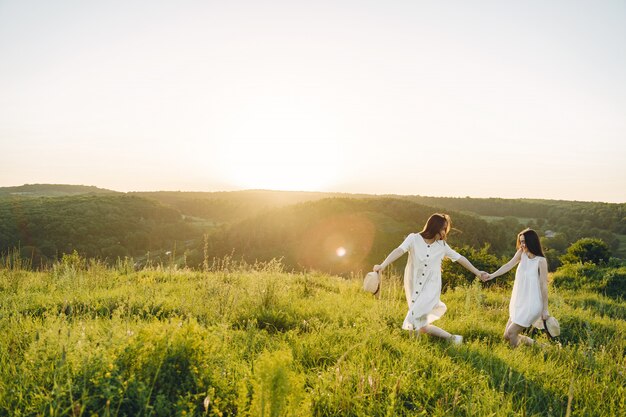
84 340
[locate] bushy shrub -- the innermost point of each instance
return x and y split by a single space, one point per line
586 250
616 283
455 275
553 258
607 280
575 276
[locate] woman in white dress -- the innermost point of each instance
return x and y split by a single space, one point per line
529 300
422 275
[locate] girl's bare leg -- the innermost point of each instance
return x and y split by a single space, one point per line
435 331
512 334
526 340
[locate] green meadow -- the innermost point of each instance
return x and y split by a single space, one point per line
85 339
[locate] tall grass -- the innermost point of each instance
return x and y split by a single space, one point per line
83 339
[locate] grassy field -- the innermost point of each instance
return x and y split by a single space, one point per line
84 340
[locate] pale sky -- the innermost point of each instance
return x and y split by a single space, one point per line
511 99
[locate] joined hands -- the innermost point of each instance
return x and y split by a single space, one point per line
484 276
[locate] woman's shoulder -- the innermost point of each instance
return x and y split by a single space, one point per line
416 236
537 258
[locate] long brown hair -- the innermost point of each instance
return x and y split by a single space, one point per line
434 224
532 242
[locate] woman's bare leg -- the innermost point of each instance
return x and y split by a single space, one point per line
526 340
512 334
435 331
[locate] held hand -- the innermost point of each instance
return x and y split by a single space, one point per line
484 276
377 268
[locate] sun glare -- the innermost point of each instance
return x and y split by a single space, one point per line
280 146
341 251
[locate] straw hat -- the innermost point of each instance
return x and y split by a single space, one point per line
371 283
552 326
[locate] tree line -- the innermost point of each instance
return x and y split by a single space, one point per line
97 226
340 234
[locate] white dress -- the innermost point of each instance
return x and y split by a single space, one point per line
526 304
422 280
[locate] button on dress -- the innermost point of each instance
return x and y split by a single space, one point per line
526 304
422 280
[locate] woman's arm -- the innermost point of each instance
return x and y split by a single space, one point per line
395 254
543 283
468 265
507 266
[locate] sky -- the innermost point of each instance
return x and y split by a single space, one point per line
502 99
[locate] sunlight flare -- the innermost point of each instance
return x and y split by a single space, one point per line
280 145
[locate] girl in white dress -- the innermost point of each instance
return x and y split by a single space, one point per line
529 300
422 275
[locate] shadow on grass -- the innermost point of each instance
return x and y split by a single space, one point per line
527 396
602 308
575 330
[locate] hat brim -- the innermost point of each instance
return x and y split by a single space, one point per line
551 326
371 283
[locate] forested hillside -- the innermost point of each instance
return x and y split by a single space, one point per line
51 190
307 229
233 206
570 219
341 235
101 226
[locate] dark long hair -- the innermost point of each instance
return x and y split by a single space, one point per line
434 224
532 242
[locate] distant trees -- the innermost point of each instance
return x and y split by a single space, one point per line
105 226
305 230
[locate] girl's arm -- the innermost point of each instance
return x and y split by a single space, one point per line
543 283
468 265
507 266
395 254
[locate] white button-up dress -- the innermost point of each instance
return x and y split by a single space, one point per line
422 280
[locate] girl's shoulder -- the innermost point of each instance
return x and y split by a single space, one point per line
536 258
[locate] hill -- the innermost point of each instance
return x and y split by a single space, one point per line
263 224
233 206
343 235
51 190
105 226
